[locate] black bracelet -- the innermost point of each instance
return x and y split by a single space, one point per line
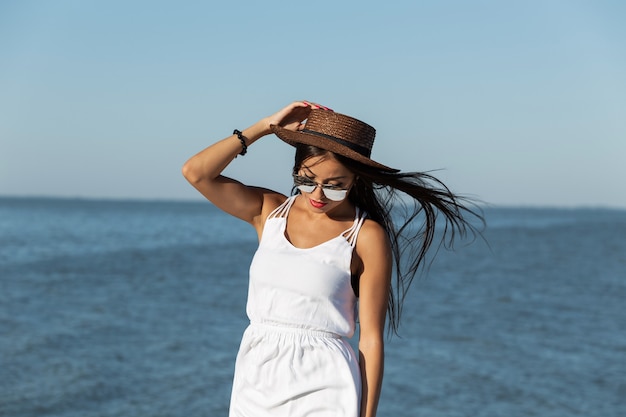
242 139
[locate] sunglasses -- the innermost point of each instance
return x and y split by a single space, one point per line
331 192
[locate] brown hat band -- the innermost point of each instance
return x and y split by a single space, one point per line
356 148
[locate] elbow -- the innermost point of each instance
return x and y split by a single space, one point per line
186 170
190 173
372 344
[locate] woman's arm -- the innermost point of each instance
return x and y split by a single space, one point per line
374 251
204 169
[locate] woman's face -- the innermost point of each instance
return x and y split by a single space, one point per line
325 172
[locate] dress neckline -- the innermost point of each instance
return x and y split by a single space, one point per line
283 214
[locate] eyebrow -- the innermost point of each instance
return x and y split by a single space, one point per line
325 179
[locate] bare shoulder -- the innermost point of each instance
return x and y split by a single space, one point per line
373 249
373 265
372 237
271 200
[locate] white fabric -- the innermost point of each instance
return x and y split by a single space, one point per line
294 359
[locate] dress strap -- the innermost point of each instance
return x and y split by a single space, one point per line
282 210
352 233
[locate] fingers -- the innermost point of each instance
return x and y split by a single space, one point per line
293 116
316 105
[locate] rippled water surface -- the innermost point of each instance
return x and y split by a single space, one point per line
113 308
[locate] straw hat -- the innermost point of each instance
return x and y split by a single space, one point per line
335 132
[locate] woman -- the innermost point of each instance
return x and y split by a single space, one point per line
330 244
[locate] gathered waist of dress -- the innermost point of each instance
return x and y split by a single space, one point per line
284 328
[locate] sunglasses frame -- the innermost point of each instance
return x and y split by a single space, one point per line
331 192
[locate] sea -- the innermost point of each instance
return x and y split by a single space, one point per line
136 308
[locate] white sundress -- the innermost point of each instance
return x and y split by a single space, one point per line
294 359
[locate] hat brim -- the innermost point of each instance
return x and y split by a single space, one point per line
294 138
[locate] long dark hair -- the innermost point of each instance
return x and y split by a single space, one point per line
408 222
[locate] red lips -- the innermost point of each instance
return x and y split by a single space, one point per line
316 204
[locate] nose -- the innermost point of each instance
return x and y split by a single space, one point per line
318 192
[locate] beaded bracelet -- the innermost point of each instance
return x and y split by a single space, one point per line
242 139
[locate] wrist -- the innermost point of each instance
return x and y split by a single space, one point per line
264 126
257 131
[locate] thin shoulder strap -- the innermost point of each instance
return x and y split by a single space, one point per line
282 210
352 233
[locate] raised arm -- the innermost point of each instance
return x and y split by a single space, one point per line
204 169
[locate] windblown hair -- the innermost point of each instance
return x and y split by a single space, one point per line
408 222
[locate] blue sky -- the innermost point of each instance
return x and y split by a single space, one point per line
516 103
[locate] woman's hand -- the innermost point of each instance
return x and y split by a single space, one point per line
292 116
